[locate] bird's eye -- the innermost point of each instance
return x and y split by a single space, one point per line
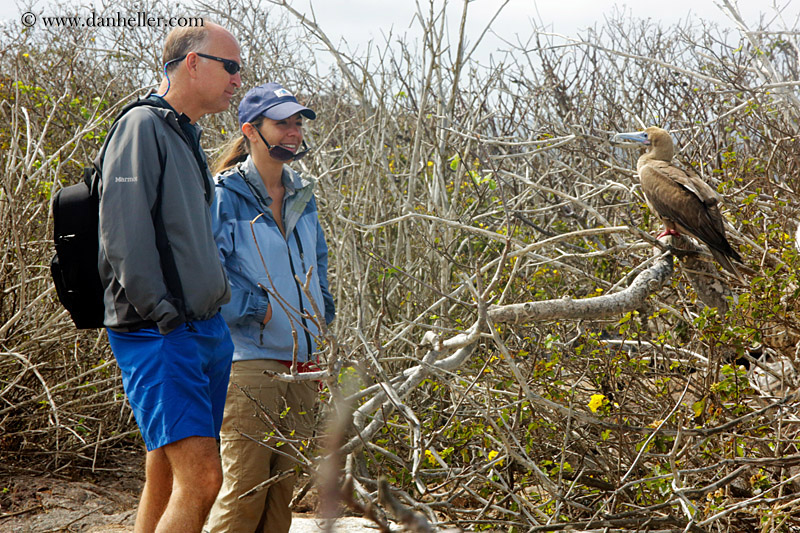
645 136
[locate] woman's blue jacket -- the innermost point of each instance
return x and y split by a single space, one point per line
261 264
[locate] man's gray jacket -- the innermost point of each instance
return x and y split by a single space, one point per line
131 268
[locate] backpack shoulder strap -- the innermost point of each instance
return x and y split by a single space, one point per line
168 265
93 173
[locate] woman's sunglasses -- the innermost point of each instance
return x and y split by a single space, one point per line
230 66
282 154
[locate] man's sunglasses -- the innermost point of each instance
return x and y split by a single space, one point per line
230 66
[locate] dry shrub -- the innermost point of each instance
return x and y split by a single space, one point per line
449 189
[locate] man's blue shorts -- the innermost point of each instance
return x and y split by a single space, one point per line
176 383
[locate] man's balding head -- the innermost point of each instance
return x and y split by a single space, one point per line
181 41
200 83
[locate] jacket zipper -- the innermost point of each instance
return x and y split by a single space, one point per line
263 201
297 286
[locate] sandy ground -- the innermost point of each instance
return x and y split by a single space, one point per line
41 504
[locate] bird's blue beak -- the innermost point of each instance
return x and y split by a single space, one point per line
636 136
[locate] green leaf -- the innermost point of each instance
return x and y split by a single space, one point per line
698 408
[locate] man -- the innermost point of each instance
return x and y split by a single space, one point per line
163 280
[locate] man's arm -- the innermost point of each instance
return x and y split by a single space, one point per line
131 172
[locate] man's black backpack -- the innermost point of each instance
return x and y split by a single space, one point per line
74 266
75 234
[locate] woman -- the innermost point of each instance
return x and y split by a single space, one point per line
260 438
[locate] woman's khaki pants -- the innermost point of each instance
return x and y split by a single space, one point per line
247 462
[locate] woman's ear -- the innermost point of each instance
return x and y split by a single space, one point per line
249 131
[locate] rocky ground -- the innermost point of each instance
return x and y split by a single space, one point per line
32 502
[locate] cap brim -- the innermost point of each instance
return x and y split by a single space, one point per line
287 109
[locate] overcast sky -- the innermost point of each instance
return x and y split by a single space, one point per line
358 21
364 18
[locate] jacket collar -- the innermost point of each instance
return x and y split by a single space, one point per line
291 180
183 120
245 181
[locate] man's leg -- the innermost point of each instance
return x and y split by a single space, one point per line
156 492
178 409
197 477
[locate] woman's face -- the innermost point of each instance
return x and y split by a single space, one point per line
286 133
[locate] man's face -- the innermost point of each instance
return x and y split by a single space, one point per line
215 85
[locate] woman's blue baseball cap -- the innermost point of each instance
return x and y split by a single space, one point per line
272 101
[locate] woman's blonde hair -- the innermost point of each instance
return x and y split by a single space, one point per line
235 151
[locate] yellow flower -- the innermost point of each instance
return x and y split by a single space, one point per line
493 454
596 402
431 458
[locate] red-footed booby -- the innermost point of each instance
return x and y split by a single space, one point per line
681 199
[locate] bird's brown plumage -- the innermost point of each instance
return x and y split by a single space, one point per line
683 201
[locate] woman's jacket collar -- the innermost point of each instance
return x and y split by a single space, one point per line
244 179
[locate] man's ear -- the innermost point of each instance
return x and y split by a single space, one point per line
191 63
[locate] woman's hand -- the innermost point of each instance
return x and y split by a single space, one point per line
268 315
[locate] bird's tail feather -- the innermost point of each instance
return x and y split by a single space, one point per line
726 263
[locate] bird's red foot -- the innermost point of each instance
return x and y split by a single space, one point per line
668 232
